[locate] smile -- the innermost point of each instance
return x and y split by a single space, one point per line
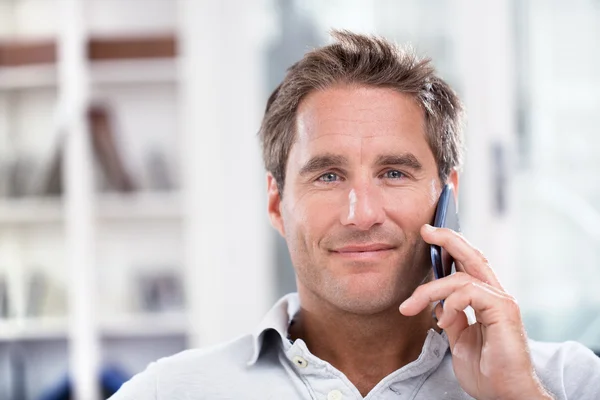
362 252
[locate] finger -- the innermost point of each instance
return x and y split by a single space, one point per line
437 290
490 306
466 257
454 329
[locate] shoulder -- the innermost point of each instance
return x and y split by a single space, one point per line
235 353
568 369
566 354
191 371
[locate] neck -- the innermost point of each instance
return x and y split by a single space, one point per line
366 348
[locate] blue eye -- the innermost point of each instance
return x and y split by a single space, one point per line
328 177
394 174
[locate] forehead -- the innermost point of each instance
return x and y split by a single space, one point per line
372 119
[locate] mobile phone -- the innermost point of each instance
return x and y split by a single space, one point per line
446 216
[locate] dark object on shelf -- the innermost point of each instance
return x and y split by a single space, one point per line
20 53
20 174
4 299
54 185
160 291
14 54
132 48
45 296
37 288
106 151
111 379
4 174
160 178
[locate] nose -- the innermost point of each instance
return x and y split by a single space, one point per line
364 208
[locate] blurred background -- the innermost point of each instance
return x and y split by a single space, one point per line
133 217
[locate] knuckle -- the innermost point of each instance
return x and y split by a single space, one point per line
512 302
463 276
512 306
473 287
466 280
482 257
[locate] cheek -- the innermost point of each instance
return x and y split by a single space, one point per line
310 216
306 216
411 208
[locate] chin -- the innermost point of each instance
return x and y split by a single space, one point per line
367 296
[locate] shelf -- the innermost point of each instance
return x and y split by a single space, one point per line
30 211
101 73
139 206
28 77
133 71
110 207
146 325
49 328
125 326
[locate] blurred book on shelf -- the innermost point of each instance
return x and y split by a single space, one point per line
113 173
45 297
4 298
20 176
18 53
106 151
160 291
53 182
158 169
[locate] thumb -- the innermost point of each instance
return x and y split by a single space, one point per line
453 330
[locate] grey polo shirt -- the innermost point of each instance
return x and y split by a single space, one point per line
266 365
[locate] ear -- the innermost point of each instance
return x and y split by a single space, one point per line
274 204
453 178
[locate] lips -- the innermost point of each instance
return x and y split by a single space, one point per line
363 248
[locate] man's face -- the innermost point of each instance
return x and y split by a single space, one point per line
361 180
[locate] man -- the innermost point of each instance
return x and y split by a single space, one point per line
358 141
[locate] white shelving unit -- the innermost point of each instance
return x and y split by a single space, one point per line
33 329
210 230
110 207
101 73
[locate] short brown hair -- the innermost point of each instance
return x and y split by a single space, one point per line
367 61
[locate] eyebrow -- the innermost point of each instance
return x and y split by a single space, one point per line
321 162
326 161
406 160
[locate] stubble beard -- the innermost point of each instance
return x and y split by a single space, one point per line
412 266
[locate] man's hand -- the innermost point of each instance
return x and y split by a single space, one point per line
491 357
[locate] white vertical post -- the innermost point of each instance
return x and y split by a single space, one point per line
74 89
228 268
486 54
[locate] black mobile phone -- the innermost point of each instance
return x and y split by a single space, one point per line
446 216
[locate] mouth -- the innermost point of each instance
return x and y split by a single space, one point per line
364 252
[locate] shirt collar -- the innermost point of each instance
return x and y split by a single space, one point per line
278 318
281 314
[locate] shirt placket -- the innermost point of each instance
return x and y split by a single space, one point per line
322 380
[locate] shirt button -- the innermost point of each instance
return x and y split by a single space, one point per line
334 395
300 362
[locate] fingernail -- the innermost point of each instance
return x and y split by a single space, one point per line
406 303
430 228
